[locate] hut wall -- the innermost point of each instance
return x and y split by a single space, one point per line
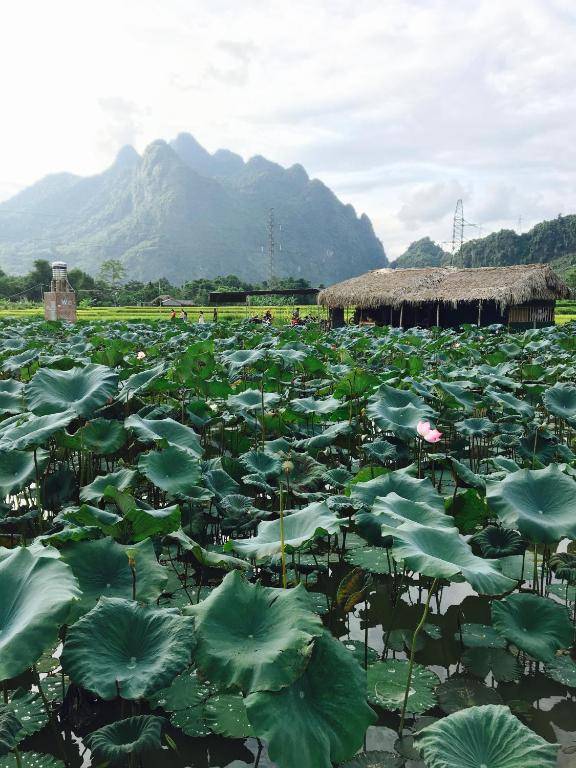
533 314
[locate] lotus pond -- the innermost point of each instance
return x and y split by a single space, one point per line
229 546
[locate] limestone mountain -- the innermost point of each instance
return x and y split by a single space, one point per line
182 213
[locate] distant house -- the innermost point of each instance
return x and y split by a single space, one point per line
165 300
522 295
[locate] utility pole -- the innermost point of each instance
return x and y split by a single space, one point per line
457 229
271 248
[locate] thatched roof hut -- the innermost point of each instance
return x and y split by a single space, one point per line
449 288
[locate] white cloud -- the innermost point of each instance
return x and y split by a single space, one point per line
400 106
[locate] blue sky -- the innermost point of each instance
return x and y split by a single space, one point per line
401 106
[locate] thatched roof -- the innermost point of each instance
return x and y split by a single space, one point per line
393 287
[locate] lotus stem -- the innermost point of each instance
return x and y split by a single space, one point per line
53 724
413 653
282 552
18 757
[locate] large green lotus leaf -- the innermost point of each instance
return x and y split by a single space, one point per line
394 510
225 714
17 470
36 594
443 553
120 480
186 690
387 685
299 528
461 692
10 726
540 503
32 760
499 542
28 708
308 405
11 396
174 433
510 404
481 662
88 516
475 427
80 390
250 401
480 636
537 625
173 470
102 569
560 400
102 436
204 556
403 485
253 637
563 670
124 738
322 717
262 463
140 382
122 648
326 437
29 430
401 421
484 737
373 559
144 523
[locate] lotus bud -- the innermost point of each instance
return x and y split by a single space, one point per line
131 554
287 467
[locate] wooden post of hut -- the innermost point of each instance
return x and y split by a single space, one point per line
479 312
438 315
402 315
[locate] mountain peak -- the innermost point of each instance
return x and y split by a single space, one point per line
127 157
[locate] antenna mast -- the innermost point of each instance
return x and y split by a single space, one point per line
271 247
457 229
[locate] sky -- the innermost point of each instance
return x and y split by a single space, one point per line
400 106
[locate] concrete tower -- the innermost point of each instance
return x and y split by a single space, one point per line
60 300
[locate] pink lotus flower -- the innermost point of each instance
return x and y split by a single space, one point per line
427 433
141 355
433 436
423 427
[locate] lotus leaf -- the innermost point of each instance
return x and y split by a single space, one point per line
102 569
252 400
560 400
36 594
174 433
28 708
498 542
403 485
309 406
173 470
461 692
401 421
140 382
225 714
9 728
33 431
540 503
476 427
442 553
32 760
480 636
124 738
17 470
80 390
536 625
121 480
300 527
387 685
484 737
393 510
481 662
373 559
253 637
123 649
11 396
204 556
102 436
321 718
563 670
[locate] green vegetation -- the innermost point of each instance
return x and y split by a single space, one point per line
552 242
223 542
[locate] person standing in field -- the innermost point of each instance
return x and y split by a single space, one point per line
215 315
201 318
183 315
173 315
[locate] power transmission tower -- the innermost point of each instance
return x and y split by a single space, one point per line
458 229
271 248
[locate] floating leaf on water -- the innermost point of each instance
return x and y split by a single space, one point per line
387 685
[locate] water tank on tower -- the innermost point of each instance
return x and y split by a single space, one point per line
60 300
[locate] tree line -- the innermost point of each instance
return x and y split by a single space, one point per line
111 287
